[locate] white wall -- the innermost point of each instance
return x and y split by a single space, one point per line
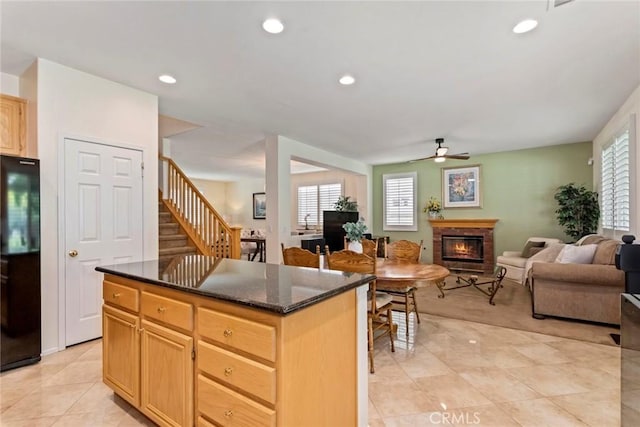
72 102
239 203
279 153
9 84
630 107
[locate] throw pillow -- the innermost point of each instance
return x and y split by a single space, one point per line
534 251
577 254
530 244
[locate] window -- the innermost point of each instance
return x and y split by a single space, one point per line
615 197
313 199
399 204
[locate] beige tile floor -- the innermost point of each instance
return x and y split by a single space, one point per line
449 373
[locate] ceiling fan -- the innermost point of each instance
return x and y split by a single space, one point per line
441 153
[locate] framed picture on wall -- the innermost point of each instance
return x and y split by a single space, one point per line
461 187
259 206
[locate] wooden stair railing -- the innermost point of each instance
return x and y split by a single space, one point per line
204 226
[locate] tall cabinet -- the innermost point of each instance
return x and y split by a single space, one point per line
13 127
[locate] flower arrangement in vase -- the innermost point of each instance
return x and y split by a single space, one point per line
433 207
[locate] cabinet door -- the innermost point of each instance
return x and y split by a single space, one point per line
167 375
12 125
121 353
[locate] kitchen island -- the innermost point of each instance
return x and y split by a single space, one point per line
209 341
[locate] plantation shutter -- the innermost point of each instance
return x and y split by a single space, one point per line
615 208
313 199
328 195
308 204
399 201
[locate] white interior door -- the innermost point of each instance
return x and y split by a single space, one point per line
103 225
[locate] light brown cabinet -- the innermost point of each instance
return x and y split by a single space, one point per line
166 375
147 359
121 353
252 367
13 127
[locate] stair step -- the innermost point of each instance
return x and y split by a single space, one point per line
183 250
172 240
169 228
165 217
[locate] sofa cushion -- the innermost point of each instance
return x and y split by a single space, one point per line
606 252
531 244
571 254
590 239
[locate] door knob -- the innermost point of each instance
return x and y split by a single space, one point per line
73 253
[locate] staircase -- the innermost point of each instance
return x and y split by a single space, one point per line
172 240
187 221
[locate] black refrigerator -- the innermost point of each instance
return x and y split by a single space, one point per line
19 261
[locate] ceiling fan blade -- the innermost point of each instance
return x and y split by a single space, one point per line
419 160
461 156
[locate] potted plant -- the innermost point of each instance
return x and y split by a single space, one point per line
433 207
355 232
578 210
344 204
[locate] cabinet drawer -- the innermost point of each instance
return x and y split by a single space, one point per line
120 295
228 408
246 374
172 312
245 335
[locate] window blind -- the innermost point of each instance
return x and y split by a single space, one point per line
313 199
615 205
399 201
308 204
328 195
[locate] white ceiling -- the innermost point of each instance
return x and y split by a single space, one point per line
424 70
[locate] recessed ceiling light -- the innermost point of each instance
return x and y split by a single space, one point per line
166 78
273 26
347 80
525 26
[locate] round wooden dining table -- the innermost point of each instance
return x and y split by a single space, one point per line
394 273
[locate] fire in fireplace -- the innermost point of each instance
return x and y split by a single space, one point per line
463 248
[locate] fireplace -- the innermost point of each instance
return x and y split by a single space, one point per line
464 244
463 248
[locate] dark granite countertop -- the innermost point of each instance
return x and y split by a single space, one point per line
272 287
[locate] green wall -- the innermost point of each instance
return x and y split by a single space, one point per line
517 189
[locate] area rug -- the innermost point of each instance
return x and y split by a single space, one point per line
512 309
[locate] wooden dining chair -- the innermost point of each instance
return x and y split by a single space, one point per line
369 247
378 304
301 257
403 293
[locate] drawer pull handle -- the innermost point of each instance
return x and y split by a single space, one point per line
116 295
228 371
227 333
228 413
161 309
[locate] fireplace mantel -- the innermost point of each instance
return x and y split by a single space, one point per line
463 223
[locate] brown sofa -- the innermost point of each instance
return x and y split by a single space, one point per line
578 291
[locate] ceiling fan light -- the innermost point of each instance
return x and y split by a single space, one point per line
441 151
439 159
